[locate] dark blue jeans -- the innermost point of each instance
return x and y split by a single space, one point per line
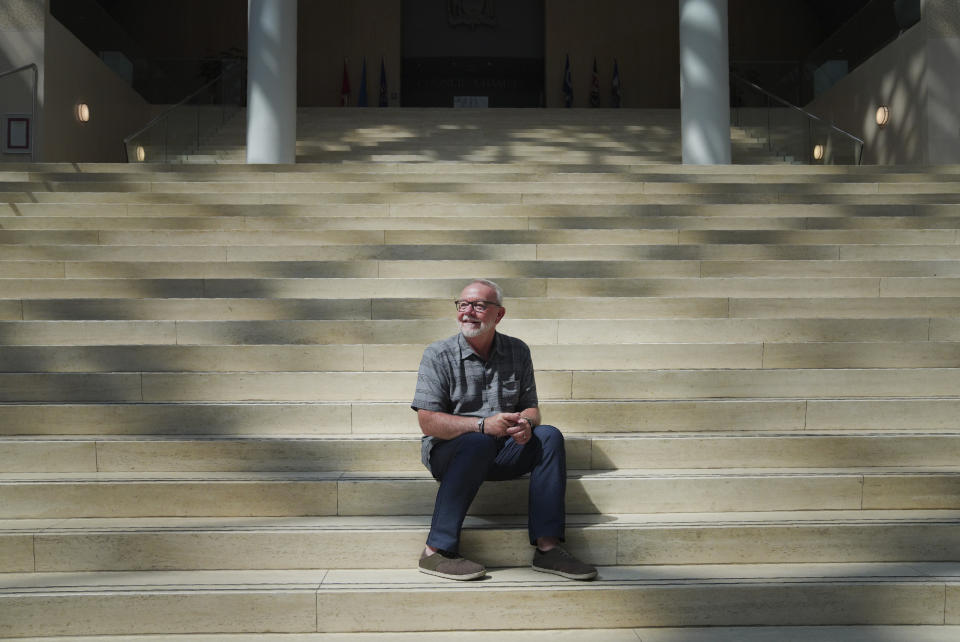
462 464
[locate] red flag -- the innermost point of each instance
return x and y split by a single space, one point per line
567 85
345 86
615 85
383 101
595 86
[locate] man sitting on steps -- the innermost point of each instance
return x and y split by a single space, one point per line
476 401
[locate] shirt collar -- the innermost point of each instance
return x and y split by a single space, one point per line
466 350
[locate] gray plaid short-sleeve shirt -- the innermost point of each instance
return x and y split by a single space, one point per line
455 380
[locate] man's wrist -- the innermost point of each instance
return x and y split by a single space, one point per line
480 425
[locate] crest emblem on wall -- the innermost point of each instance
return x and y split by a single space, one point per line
472 12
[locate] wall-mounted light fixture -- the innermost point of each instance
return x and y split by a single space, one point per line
883 116
818 152
141 153
83 112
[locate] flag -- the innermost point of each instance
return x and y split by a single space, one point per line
383 102
615 85
345 86
362 94
595 86
567 85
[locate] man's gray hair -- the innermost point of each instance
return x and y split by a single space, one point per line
492 285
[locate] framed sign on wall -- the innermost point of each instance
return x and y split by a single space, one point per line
17 135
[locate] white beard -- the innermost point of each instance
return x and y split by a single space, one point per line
470 331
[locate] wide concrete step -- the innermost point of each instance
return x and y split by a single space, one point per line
527 176
897 215
645 297
368 600
678 296
405 358
43 174
674 211
515 193
263 543
518 184
843 268
747 383
257 419
366 418
709 252
803 287
565 332
374 219
140 177
923 302
848 633
523 260
371 269
542 194
290 494
370 453
483 232
400 357
615 297
814 173
10 253
554 252
240 303
272 289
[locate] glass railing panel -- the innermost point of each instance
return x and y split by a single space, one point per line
786 131
181 130
789 133
752 123
830 147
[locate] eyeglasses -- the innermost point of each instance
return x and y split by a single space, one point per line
479 306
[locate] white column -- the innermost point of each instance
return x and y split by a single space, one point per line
941 25
704 82
271 81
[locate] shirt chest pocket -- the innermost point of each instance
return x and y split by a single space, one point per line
510 394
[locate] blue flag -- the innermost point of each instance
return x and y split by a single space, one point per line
362 96
567 85
383 102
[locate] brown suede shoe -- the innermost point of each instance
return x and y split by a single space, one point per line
560 562
451 566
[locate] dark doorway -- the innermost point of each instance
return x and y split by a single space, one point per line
473 53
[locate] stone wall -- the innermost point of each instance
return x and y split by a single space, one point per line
21 43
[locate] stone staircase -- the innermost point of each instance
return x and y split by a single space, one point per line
593 137
205 377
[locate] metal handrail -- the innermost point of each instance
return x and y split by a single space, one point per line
167 111
33 106
807 114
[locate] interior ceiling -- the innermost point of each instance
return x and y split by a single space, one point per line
829 14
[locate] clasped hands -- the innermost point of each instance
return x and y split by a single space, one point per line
509 424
